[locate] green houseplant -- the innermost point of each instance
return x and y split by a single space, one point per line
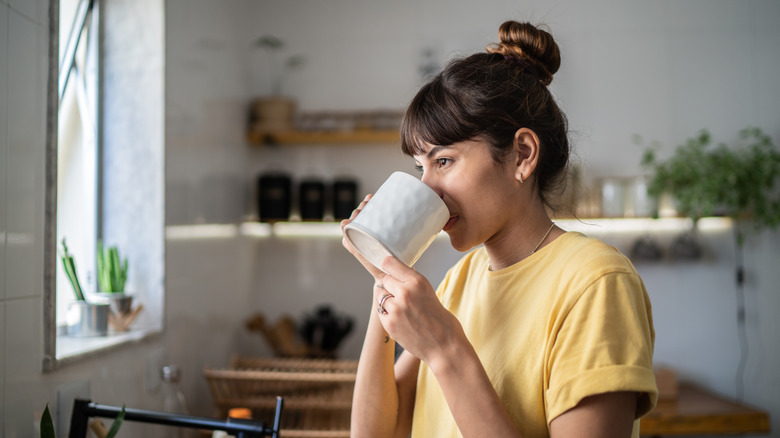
741 182
112 280
69 264
112 272
84 318
274 112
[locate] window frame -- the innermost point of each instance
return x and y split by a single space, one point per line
144 243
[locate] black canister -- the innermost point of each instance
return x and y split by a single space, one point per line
274 197
311 199
344 198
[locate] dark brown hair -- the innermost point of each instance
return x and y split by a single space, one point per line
490 96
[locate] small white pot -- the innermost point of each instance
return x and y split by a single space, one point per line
85 319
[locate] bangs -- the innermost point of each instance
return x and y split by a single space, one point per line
435 117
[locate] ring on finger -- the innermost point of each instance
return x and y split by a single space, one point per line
381 308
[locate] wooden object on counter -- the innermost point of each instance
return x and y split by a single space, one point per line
98 428
696 411
121 322
282 336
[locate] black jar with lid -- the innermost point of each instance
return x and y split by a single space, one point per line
311 199
274 196
344 198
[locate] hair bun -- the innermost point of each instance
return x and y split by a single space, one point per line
526 42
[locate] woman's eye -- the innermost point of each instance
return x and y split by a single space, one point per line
442 161
418 168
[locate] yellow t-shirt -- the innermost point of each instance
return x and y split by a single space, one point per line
570 321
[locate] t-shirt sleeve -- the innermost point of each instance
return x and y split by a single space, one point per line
603 343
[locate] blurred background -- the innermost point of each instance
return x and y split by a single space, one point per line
191 77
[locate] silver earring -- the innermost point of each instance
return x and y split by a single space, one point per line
521 178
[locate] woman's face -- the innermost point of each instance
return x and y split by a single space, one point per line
480 193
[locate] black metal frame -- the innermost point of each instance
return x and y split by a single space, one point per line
84 409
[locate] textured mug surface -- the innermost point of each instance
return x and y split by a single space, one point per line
401 219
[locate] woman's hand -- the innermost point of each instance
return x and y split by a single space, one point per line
414 315
373 270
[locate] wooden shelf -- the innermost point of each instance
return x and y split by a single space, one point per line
324 137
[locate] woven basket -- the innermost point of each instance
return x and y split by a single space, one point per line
317 393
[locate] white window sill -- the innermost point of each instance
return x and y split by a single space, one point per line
71 348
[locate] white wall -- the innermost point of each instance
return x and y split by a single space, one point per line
661 69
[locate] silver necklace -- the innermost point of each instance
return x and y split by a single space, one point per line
490 265
545 236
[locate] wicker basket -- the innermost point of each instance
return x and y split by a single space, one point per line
317 393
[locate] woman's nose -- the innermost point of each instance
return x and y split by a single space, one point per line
431 182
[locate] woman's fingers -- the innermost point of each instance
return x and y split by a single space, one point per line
382 298
398 269
360 206
373 270
356 211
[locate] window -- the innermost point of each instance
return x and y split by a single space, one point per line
77 145
108 156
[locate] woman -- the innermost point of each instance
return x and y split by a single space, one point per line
537 332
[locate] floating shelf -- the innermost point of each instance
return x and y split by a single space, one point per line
324 137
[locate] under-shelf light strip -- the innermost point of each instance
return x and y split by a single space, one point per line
333 229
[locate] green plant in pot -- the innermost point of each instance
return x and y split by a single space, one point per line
275 111
112 271
741 182
112 277
83 318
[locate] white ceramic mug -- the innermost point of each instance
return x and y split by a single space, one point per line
401 219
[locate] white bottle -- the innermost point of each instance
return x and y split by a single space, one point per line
173 400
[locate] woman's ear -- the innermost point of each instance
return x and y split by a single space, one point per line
526 146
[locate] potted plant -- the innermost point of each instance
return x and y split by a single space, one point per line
741 182
84 318
112 280
274 112
112 277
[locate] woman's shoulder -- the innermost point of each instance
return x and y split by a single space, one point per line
576 243
575 249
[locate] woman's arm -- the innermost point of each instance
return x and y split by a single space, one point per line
608 415
383 401
429 331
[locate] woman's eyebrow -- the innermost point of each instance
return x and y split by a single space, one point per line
435 150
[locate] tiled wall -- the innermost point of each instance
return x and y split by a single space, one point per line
23 75
3 203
